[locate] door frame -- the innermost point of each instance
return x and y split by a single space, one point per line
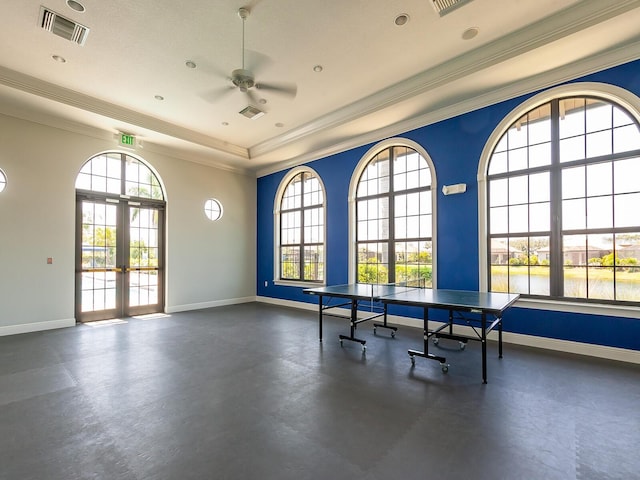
122 267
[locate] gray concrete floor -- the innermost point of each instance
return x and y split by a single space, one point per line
248 392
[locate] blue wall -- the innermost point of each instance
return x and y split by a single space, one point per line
455 146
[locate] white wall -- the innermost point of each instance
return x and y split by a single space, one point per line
208 263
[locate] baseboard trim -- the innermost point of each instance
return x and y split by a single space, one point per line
36 326
567 346
214 303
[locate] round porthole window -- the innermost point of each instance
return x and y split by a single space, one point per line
213 209
3 180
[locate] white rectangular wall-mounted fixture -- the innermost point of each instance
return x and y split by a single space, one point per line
251 112
444 7
453 189
62 26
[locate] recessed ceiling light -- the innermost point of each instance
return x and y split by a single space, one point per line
190 64
279 125
77 6
159 97
401 19
59 59
262 101
225 124
470 33
317 68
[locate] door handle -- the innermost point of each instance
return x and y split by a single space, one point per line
108 269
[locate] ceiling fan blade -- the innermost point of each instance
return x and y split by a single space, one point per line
256 61
253 100
207 67
286 89
216 94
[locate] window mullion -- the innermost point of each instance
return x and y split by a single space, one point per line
301 211
555 242
391 249
123 174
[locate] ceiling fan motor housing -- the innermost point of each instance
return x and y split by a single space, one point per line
243 79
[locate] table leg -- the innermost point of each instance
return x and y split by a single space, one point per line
384 323
425 342
500 338
484 348
353 322
320 318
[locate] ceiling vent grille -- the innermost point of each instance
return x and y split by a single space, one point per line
251 112
443 7
63 27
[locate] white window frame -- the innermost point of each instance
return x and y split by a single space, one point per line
277 206
615 94
352 200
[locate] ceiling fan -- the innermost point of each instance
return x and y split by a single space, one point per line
244 79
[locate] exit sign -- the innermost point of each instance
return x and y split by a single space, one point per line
127 140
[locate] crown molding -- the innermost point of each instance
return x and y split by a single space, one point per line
595 63
580 16
34 86
107 136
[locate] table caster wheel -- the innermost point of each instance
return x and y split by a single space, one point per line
436 340
445 367
463 345
393 334
364 348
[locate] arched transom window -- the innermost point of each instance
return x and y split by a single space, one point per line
119 174
302 233
563 201
394 218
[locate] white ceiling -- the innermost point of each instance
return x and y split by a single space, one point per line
378 79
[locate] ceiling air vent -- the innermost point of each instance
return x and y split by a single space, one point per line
63 27
251 112
443 7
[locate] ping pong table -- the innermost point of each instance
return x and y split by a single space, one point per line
481 311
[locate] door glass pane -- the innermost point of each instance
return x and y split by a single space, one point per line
99 243
143 256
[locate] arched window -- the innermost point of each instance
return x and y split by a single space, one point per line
563 198
393 196
300 233
3 180
119 174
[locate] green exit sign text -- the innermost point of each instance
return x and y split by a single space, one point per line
127 140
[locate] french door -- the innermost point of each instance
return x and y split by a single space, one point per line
119 257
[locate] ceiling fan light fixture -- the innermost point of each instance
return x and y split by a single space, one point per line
251 112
